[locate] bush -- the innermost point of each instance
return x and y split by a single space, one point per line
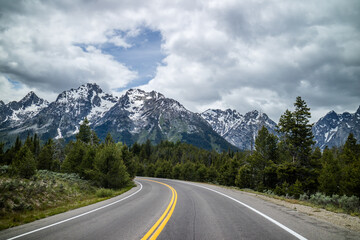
103 192
304 197
349 203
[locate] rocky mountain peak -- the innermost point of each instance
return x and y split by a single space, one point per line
32 99
238 129
84 92
333 129
138 94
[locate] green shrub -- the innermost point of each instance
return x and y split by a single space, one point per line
103 192
303 197
349 203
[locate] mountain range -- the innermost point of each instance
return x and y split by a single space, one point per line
138 116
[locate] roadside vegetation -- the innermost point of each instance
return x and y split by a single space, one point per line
287 167
38 181
44 194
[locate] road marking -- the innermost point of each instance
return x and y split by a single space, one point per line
167 214
253 209
77 216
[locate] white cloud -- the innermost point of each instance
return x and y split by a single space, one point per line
238 54
16 91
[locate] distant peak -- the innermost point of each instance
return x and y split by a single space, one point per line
133 91
358 110
212 111
331 113
142 93
30 96
91 86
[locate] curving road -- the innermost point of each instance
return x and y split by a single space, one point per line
171 209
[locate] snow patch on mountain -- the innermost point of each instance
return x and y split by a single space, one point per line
333 129
240 130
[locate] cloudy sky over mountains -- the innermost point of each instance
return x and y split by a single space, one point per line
243 55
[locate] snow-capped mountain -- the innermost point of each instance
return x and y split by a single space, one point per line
333 129
15 113
62 117
140 115
239 130
136 116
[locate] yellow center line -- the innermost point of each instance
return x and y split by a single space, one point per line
167 214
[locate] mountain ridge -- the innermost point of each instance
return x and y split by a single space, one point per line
139 115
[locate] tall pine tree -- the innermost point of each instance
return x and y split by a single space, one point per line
296 132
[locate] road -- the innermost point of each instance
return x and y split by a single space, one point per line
171 209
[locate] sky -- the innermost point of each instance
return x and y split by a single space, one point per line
242 55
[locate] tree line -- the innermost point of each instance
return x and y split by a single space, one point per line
285 165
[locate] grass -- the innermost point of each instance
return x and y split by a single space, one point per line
46 194
317 201
335 203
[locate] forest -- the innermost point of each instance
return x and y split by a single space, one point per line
286 166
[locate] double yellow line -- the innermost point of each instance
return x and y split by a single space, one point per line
167 214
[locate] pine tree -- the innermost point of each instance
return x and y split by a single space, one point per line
84 134
110 171
18 144
265 154
330 174
46 156
36 145
2 159
350 167
24 163
74 157
297 132
109 140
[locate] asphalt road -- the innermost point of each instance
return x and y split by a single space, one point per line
189 211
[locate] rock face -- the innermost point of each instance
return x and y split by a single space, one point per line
136 116
239 130
139 115
333 129
62 117
15 113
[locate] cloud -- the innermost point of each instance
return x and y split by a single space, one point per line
262 55
238 54
15 91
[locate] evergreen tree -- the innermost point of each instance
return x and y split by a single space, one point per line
36 146
265 154
244 177
24 163
2 159
109 140
84 134
110 171
330 174
46 156
74 157
297 133
350 170
18 144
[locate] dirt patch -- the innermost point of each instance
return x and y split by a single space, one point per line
338 219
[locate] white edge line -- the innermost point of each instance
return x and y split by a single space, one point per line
253 209
77 216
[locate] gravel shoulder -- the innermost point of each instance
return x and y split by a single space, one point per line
338 219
